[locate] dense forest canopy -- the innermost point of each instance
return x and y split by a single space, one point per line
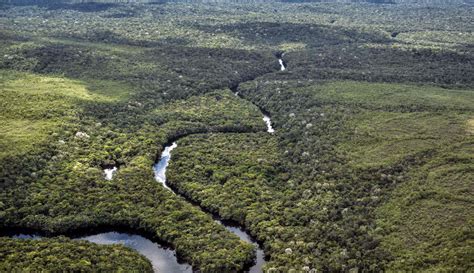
370 166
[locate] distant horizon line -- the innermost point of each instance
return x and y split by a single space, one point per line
416 2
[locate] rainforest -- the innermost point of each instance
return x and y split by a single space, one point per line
236 136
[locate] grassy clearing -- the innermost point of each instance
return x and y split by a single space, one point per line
383 138
34 106
388 96
68 91
470 126
109 91
427 223
395 121
445 39
18 136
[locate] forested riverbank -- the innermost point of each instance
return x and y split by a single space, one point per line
51 254
372 140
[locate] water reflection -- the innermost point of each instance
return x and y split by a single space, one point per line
109 173
269 124
160 168
160 176
162 259
282 65
244 236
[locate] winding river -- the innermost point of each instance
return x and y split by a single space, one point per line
159 169
164 259
160 175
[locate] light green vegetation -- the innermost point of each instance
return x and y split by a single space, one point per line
108 90
470 126
382 138
46 87
387 96
36 106
18 135
64 189
430 217
430 118
358 141
370 168
440 39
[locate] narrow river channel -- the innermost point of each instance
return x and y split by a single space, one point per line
163 259
160 175
282 65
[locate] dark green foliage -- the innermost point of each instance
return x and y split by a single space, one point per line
373 132
261 33
63 189
228 173
338 174
370 64
62 254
